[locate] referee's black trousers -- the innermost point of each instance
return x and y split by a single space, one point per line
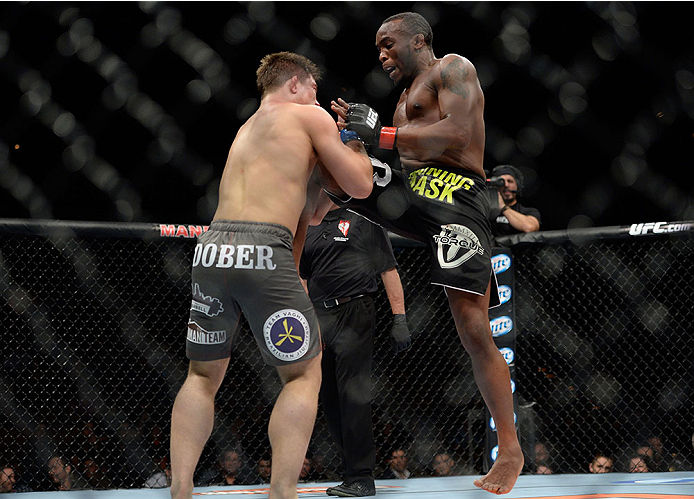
348 331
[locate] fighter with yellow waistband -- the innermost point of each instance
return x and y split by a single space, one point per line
440 198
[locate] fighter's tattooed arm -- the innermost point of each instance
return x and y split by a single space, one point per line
454 78
459 107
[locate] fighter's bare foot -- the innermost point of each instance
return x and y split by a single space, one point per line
504 473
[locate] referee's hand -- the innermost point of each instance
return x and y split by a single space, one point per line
400 333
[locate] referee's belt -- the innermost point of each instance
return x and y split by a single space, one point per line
339 301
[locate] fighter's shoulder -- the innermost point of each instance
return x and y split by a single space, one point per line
448 58
294 110
454 64
313 115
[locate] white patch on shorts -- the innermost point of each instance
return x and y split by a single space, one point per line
208 305
457 244
197 334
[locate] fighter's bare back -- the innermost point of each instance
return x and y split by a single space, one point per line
268 167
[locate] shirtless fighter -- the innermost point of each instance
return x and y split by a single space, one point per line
244 264
440 198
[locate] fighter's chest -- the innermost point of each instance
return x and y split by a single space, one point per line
417 103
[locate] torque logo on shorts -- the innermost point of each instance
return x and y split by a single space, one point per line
208 305
198 335
457 244
287 334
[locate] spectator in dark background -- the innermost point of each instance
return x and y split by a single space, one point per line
263 469
227 471
7 479
156 442
646 452
389 434
90 440
322 466
40 445
508 215
443 465
656 444
95 473
660 458
308 472
160 479
601 463
12 479
636 464
63 475
543 469
397 466
542 455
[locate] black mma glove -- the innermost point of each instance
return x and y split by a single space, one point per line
400 333
364 120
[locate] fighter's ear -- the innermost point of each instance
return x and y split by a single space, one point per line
418 41
294 84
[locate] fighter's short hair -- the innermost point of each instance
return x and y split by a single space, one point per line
275 69
414 24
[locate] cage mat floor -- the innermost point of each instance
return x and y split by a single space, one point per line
678 485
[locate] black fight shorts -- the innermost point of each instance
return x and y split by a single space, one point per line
445 208
248 267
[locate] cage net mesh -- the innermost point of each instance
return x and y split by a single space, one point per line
94 354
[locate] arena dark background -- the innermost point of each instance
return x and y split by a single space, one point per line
124 111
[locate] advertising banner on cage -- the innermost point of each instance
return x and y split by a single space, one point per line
502 320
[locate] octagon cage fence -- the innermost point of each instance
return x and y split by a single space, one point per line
93 353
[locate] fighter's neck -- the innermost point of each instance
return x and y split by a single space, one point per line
423 65
276 98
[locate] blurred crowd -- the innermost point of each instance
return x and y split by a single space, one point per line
137 457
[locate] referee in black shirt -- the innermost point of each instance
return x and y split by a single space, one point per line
341 259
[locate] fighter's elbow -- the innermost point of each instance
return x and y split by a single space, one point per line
460 141
455 134
363 181
363 189
440 146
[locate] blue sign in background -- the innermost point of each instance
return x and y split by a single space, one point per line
502 320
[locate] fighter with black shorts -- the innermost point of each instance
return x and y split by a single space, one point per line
439 120
442 207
